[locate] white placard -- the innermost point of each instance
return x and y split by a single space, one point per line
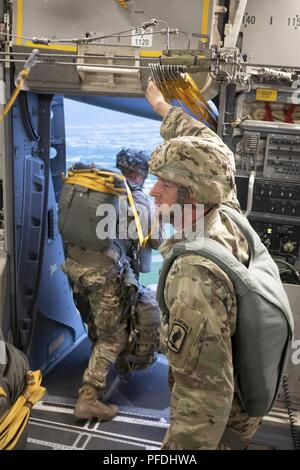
142 37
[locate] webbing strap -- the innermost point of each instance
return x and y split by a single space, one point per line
22 76
269 114
289 114
183 89
123 4
95 180
13 423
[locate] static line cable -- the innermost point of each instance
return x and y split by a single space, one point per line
123 4
88 39
85 40
188 37
80 64
291 413
23 74
75 56
167 33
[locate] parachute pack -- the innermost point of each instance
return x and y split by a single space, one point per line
83 192
19 390
264 327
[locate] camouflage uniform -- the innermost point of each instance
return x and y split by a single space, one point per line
98 283
201 302
146 320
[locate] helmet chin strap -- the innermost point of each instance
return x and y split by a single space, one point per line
182 192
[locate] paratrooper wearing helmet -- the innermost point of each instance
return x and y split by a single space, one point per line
122 316
193 167
134 166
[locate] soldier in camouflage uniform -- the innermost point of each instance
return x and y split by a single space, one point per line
99 284
134 166
195 166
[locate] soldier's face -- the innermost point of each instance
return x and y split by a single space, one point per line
164 193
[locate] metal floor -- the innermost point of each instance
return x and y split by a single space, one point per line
142 398
54 427
143 401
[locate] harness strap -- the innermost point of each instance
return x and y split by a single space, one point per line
13 423
269 114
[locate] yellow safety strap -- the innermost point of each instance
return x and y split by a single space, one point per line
98 181
146 239
186 92
12 424
123 4
22 76
142 240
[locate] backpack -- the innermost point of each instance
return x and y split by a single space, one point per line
265 325
82 193
19 387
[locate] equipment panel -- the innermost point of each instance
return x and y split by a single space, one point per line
280 238
282 158
276 198
275 214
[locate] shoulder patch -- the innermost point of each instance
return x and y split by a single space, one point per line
177 335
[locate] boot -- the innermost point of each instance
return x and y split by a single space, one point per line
88 405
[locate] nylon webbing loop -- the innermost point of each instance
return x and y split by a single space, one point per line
22 76
13 423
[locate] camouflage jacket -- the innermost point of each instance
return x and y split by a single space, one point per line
197 339
202 305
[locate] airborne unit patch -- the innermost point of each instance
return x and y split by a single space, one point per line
177 335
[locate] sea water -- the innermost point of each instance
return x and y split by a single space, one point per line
96 135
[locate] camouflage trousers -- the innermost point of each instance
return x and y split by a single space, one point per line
110 329
143 343
240 423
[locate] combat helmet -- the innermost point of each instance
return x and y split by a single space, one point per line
133 160
202 165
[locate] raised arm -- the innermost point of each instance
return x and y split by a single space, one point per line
176 122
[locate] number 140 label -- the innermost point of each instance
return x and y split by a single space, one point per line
142 37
